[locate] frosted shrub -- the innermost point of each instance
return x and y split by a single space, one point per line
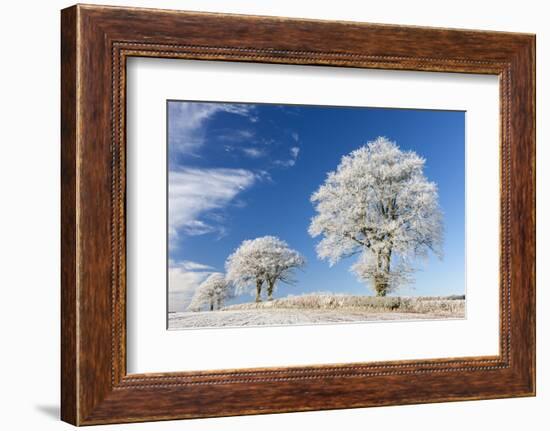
326 301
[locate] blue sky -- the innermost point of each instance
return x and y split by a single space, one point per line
240 171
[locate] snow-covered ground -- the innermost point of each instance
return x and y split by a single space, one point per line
276 317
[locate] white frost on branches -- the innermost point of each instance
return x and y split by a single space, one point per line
212 292
378 204
262 260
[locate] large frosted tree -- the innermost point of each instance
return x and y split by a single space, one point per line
379 205
262 261
212 292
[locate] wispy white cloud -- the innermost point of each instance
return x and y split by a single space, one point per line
188 265
193 193
264 175
266 141
253 153
186 129
285 163
295 136
250 152
288 163
236 135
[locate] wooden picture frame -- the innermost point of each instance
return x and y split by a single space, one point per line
95 43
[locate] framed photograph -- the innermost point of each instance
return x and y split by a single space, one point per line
324 214
247 180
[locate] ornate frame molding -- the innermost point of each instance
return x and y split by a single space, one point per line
96 41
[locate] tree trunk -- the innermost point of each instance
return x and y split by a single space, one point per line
382 278
270 288
381 284
212 305
258 290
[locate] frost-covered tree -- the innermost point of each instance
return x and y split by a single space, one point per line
262 260
378 204
280 262
212 292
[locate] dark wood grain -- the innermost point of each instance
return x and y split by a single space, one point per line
96 41
68 218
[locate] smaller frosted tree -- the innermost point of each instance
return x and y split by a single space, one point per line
211 292
280 262
262 260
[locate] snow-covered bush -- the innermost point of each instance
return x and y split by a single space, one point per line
451 305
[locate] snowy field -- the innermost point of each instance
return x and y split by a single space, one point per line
276 317
312 309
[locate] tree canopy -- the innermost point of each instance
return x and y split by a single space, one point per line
212 292
262 260
378 204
